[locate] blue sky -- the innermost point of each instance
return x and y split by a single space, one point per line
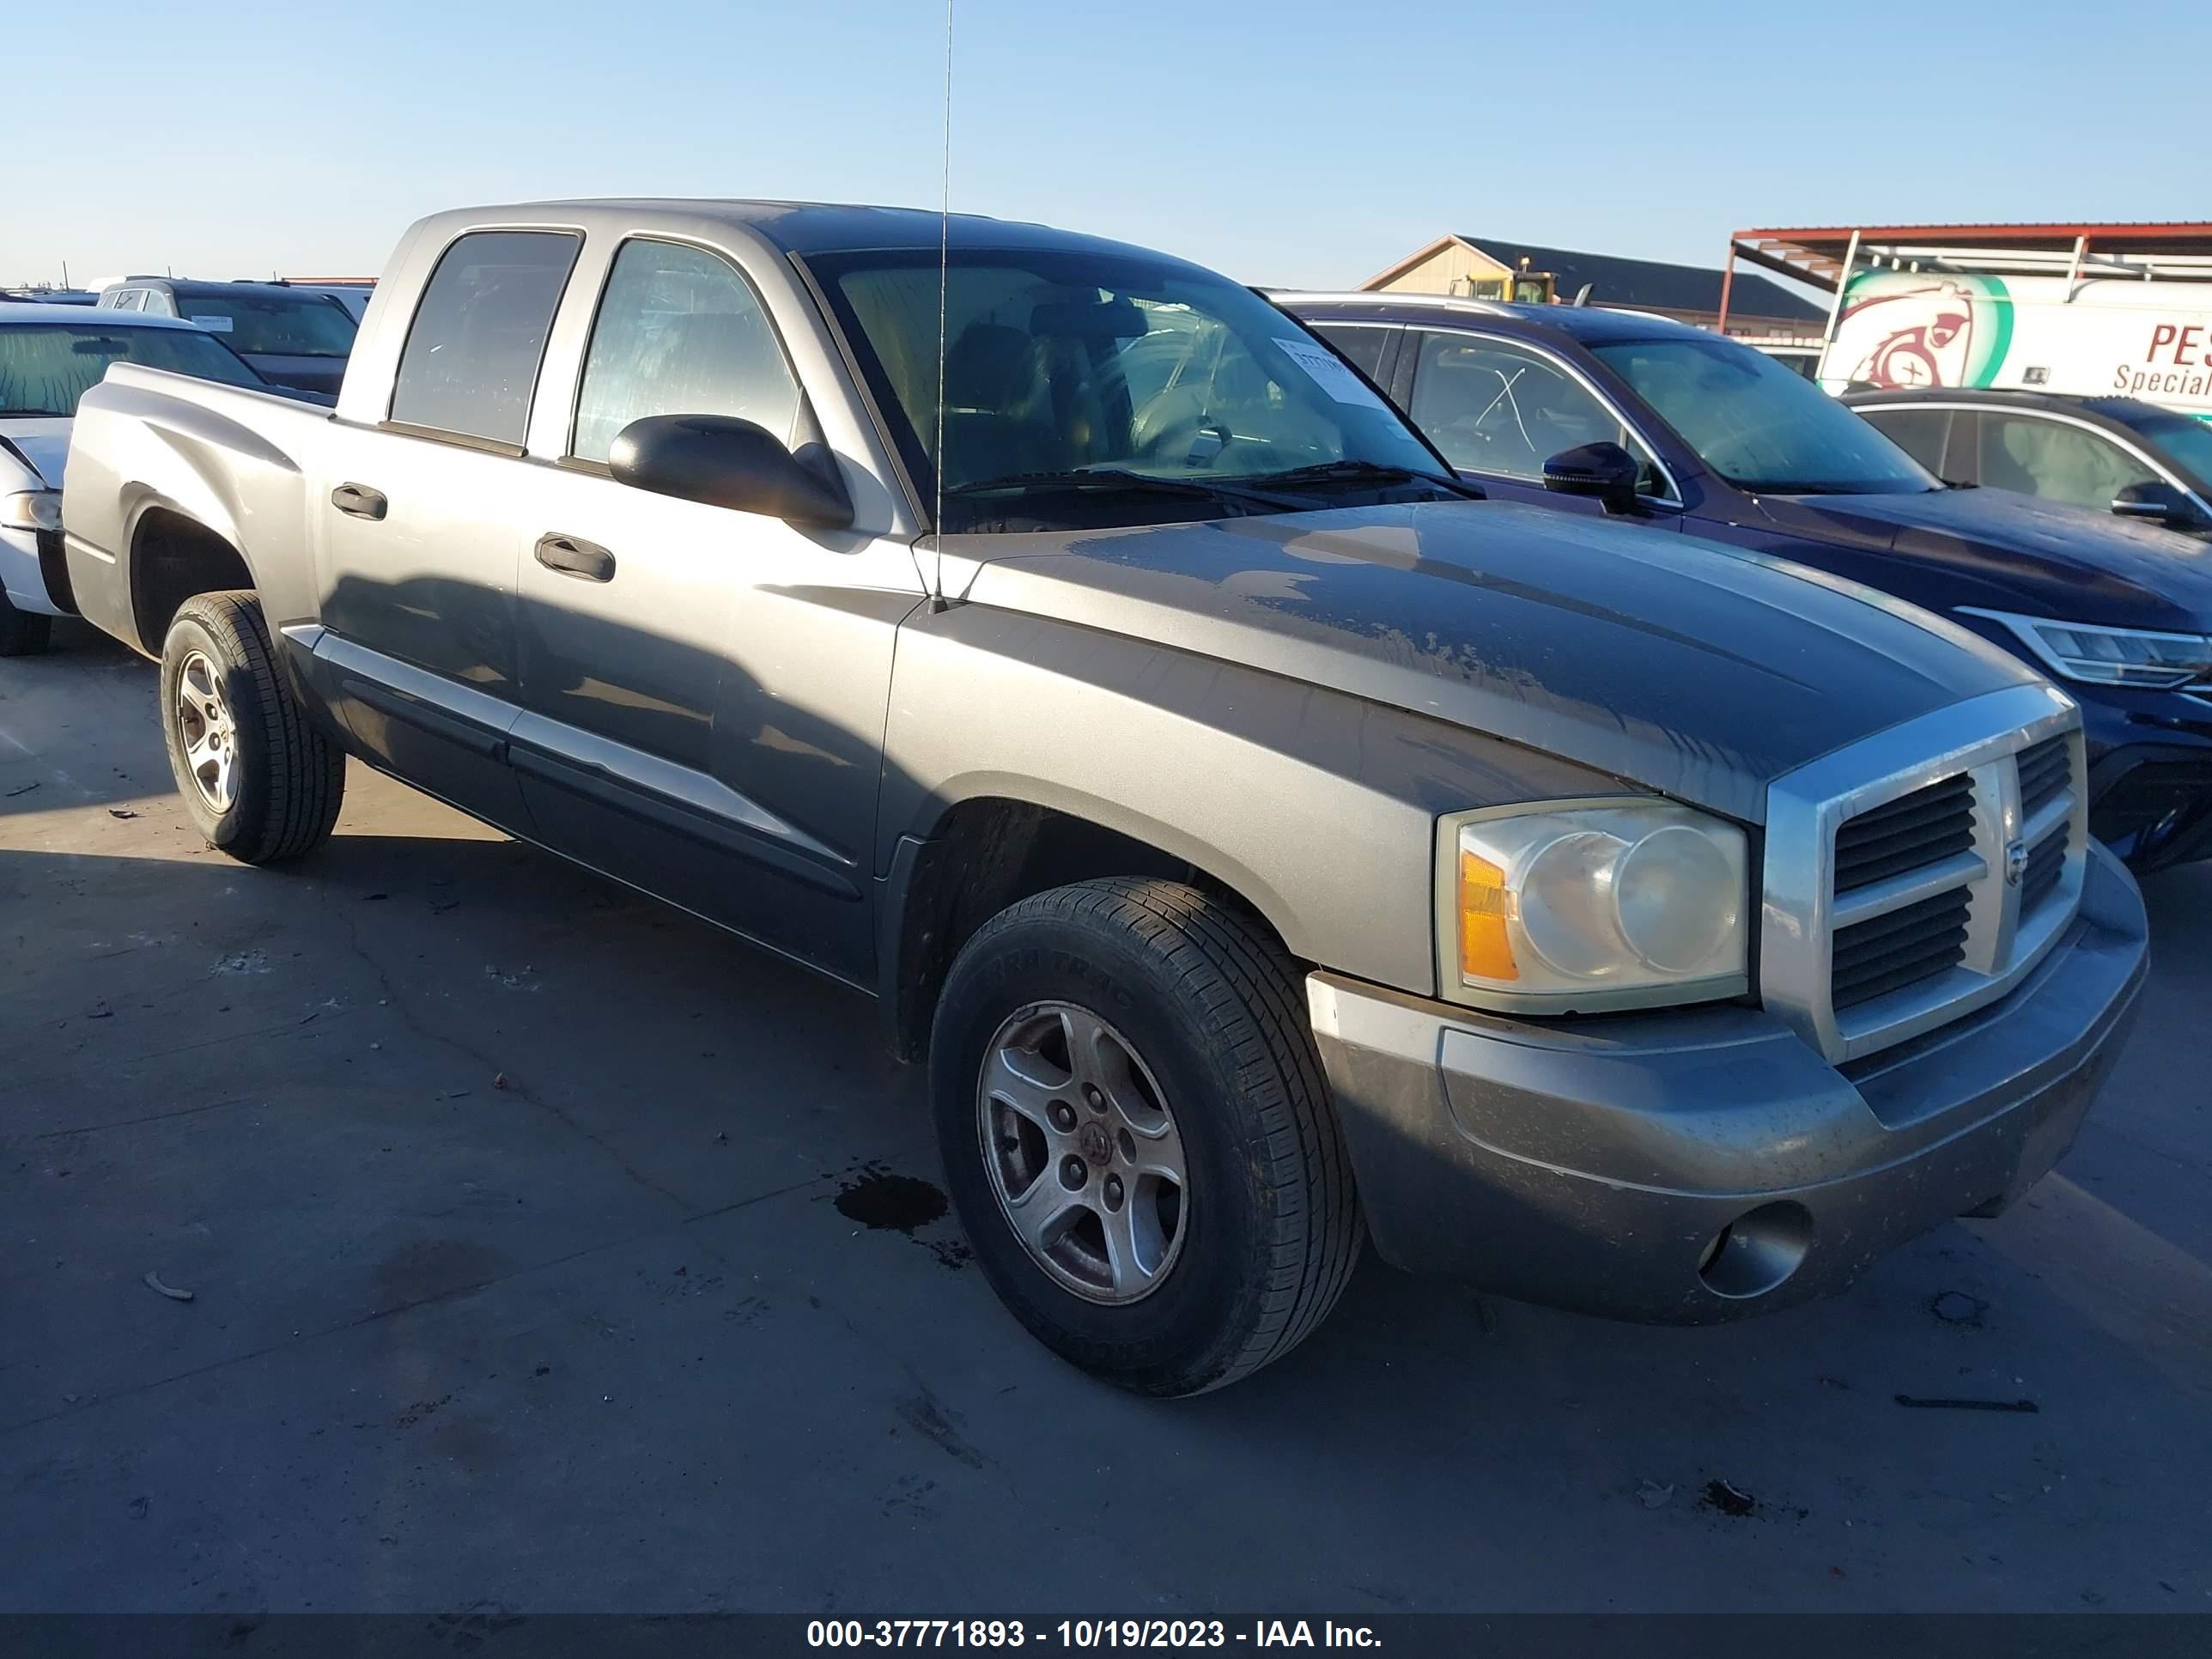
1285 142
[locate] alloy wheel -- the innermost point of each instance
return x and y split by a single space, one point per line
206 732
1084 1154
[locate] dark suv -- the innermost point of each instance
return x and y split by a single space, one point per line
1650 421
2109 454
298 337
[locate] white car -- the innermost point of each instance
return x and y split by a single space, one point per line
49 356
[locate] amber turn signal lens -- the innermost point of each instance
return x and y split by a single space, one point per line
1486 950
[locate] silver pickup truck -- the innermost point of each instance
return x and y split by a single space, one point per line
1267 842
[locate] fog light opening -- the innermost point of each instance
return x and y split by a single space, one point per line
1757 1251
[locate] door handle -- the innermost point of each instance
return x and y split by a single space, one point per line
572 556
359 502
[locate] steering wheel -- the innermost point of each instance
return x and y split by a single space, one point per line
1163 431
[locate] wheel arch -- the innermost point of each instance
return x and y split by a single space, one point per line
174 555
1004 843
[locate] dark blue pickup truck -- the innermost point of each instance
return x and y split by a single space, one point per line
1655 423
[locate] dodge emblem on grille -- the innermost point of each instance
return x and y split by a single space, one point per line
2015 863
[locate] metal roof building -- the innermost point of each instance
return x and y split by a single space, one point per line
1489 268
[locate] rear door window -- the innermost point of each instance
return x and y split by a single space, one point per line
471 357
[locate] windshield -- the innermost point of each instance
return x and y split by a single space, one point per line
1760 424
273 325
1177 393
2183 439
45 369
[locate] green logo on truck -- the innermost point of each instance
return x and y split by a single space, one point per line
1908 329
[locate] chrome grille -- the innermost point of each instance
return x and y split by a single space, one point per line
1904 889
2046 868
1873 958
1912 830
2044 770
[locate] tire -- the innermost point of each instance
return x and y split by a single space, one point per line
273 792
23 633
1204 1026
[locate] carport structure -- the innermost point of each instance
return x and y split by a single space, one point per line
1828 258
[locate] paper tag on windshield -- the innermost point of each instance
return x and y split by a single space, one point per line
1329 373
213 325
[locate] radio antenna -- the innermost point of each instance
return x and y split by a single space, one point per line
944 274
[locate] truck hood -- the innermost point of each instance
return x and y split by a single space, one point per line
1697 671
2023 553
43 442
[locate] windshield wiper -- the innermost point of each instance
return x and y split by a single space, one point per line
33 415
1797 487
1360 472
1110 478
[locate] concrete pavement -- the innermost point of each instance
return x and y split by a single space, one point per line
507 1201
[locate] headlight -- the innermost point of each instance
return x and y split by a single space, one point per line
2096 655
32 509
1591 905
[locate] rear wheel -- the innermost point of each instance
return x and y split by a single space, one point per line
259 781
23 633
1138 1135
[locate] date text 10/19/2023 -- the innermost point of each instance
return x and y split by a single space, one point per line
1082 1633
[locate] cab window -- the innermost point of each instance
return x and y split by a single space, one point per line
679 332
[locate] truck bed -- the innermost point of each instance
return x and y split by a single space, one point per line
241 462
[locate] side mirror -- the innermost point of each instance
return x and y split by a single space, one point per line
2159 503
722 461
1603 470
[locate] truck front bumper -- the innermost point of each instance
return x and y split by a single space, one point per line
1695 1165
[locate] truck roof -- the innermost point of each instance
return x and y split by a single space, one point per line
800 227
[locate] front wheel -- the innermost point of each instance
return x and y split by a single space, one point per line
259 780
1138 1135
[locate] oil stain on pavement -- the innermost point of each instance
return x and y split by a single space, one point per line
884 1201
